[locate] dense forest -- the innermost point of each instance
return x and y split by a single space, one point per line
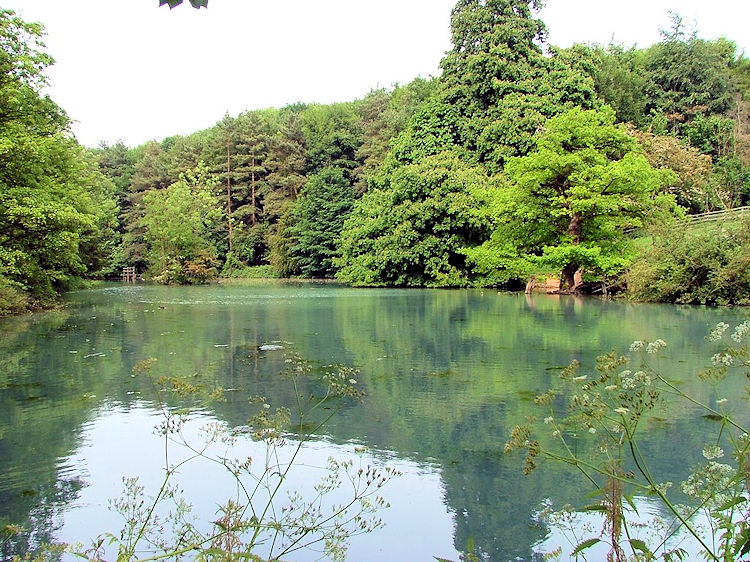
520 161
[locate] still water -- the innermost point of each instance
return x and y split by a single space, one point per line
446 374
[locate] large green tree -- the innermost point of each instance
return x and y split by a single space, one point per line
411 227
689 77
501 83
46 185
385 114
177 224
568 203
319 214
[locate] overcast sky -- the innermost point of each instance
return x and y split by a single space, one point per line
129 70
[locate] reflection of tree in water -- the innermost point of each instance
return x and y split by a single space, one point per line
446 373
44 508
41 414
453 375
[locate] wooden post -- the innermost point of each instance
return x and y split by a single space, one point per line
128 274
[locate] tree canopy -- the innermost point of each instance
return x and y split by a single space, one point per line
568 203
410 228
48 190
518 159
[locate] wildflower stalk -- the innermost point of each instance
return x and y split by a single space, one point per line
712 411
297 526
643 469
612 403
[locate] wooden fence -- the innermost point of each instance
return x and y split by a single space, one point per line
714 216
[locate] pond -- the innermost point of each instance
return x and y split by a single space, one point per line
446 374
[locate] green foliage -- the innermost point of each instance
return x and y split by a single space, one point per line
178 221
384 116
194 3
700 264
411 227
501 83
52 203
712 134
620 80
233 269
13 299
688 77
731 182
332 136
568 203
319 214
693 188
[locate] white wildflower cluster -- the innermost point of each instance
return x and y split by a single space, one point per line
643 377
630 380
637 345
718 331
711 452
663 487
710 483
722 360
741 331
651 347
655 346
548 420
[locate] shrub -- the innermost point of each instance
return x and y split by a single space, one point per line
250 272
13 299
706 264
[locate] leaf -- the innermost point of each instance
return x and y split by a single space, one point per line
631 503
584 545
676 554
596 507
213 551
743 542
731 503
638 544
174 3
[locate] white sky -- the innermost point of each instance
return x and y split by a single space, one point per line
129 70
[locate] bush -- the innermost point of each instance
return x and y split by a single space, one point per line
250 272
705 264
13 299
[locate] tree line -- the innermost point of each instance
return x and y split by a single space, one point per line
519 160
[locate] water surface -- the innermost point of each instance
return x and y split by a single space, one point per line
446 375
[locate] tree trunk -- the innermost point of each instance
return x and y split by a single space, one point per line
229 200
575 227
568 281
252 191
569 271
